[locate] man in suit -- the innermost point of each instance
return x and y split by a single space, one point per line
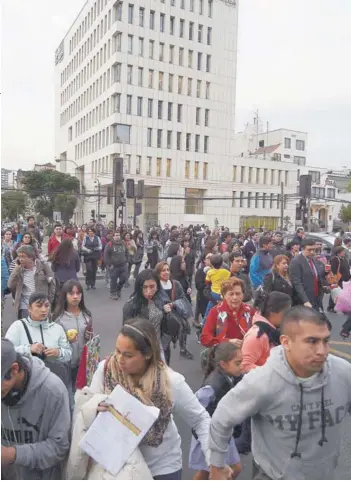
306 277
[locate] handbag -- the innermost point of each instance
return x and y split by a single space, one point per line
61 369
334 278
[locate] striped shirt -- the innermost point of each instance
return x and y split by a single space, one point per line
28 286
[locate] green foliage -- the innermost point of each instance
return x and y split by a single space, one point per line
13 204
52 191
345 213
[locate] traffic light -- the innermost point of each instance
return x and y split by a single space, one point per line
130 188
305 185
141 189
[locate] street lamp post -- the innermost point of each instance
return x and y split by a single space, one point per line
99 196
80 183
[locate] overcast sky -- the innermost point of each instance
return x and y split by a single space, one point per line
293 66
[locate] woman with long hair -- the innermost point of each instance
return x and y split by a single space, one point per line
75 318
180 304
65 262
178 273
7 247
264 333
136 365
91 248
27 240
279 280
222 373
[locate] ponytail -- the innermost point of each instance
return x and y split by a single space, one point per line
226 351
273 302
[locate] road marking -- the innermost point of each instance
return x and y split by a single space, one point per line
340 353
340 343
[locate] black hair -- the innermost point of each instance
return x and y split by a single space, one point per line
143 334
300 229
234 255
30 217
338 250
226 351
298 314
175 268
292 243
92 229
39 297
57 225
173 249
217 261
62 305
138 296
264 241
63 253
21 364
307 242
273 302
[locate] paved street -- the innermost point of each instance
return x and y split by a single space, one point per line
107 317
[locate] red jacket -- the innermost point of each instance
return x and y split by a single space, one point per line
223 324
54 243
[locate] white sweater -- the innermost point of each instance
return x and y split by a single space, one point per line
167 458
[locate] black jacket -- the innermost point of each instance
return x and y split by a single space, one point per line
278 249
275 282
247 285
115 253
340 264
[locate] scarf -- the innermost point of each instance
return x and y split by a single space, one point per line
114 375
272 333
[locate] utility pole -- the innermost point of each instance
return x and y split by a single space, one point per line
308 203
117 186
99 197
282 205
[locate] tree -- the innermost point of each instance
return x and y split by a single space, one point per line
345 213
13 204
52 191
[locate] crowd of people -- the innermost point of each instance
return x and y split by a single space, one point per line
257 307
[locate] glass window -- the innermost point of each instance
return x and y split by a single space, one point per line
159 109
299 160
122 133
209 35
130 74
149 166
210 6
199 33
207 117
116 103
181 56
130 13
205 171
159 138
168 168
149 137
170 82
162 52
171 25
207 93
187 169
140 106
206 141
118 11
198 89
190 86
116 72
199 60
192 5
190 59
180 84
181 28
138 165
300 145
149 108
151 48
208 63
197 115
191 30
151 79
141 47
194 201
171 54
196 170
188 142
331 193
129 104
162 22
160 80
169 139
169 110
140 76
152 20
179 140
197 142
179 113
287 143
141 16
158 166
316 176
234 173
201 7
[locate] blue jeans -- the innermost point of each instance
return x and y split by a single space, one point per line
175 475
211 304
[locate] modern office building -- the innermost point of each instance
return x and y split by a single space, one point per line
154 81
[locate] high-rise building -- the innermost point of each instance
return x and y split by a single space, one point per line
153 81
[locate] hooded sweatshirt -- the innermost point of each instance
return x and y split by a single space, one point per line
80 323
53 335
255 350
38 425
296 423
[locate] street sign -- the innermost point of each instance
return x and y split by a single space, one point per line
57 216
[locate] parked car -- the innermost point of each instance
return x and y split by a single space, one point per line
327 239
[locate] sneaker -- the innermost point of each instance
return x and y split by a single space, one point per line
331 309
93 287
118 294
88 288
186 354
114 297
127 284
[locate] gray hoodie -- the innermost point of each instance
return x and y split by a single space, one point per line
288 442
38 425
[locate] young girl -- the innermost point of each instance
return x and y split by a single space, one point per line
222 374
72 314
